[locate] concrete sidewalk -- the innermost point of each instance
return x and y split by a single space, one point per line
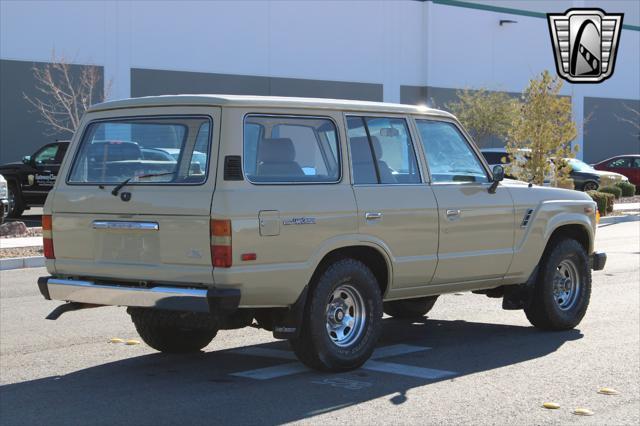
626 206
20 242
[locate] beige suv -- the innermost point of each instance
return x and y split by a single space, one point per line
308 217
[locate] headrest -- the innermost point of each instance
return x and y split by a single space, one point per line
277 150
361 151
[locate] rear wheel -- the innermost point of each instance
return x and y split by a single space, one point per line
410 308
173 332
563 288
342 319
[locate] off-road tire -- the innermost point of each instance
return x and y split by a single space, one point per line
410 308
543 310
314 346
16 204
171 331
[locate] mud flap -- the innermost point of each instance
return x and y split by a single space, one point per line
290 322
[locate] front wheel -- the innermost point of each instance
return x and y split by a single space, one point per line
563 288
590 186
342 319
173 332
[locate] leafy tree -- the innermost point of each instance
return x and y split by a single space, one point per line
484 113
543 125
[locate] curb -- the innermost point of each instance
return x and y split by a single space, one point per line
620 219
21 262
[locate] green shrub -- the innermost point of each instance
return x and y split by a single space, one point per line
628 189
617 192
600 200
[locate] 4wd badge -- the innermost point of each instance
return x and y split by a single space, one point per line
585 43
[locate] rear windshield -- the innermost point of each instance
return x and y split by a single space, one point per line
148 150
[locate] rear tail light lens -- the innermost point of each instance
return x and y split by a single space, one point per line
47 237
221 250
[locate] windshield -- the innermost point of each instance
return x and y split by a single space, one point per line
164 150
579 166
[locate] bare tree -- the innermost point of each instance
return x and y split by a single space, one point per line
633 120
64 94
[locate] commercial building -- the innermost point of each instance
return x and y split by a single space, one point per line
394 51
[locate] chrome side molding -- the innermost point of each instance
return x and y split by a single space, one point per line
125 225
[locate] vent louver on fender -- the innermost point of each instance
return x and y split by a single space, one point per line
527 217
233 167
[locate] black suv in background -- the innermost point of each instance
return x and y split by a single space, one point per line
30 181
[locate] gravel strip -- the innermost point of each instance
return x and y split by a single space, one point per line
634 199
21 252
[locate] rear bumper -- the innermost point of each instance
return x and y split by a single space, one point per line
598 260
161 297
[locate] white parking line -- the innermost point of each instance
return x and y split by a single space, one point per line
273 372
297 367
407 370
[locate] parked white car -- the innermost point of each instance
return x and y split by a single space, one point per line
4 201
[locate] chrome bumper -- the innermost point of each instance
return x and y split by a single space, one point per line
169 298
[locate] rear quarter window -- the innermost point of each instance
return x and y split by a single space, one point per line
285 149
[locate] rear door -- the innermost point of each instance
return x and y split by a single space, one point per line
395 206
156 227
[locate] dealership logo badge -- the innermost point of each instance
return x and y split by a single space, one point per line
585 43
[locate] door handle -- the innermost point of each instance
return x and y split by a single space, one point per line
373 215
453 214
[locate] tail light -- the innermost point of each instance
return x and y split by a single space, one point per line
47 236
221 253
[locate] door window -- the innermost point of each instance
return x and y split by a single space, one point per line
449 155
636 163
382 151
47 155
290 149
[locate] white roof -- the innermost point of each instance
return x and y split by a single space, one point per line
266 101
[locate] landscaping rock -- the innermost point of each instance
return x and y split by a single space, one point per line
13 229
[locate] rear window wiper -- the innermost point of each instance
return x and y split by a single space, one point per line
121 185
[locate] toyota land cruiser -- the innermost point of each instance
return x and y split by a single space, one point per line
308 217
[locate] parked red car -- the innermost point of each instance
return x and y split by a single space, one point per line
628 165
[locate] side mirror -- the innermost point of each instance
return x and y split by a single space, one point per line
498 175
26 159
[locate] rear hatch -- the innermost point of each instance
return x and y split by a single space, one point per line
133 199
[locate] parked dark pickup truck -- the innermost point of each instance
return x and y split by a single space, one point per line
30 181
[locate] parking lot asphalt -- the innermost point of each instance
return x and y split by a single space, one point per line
469 362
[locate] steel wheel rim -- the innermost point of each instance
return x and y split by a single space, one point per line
12 200
345 315
590 186
566 285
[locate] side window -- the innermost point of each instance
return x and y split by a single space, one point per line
47 155
619 162
382 151
449 155
636 163
290 149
